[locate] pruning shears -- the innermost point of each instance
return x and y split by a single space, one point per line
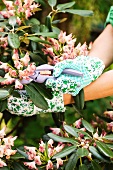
41 78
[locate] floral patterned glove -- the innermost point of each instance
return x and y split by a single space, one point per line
91 67
109 19
23 106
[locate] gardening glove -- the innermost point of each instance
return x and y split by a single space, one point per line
109 19
23 106
91 67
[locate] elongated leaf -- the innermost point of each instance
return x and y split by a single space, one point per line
37 59
87 126
2 79
12 21
4 168
52 3
81 98
48 23
110 145
18 166
104 149
84 133
36 39
22 28
22 153
95 165
4 93
84 13
83 167
61 139
108 137
71 130
13 40
96 154
47 34
17 156
43 90
72 162
3 105
36 97
81 152
65 5
66 151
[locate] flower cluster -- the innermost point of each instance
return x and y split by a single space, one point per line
22 9
64 48
6 147
43 155
22 70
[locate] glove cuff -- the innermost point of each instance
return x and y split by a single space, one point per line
109 19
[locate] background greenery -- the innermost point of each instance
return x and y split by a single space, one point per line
31 129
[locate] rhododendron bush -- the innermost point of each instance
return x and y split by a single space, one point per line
25 43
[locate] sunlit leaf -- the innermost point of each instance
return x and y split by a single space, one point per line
12 20
23 27
61 139
87 126
108 137
47 34
4 93
13 40
96 154
71 130
104 149
81 152
65 5
66 151
84 13
52 3
36 39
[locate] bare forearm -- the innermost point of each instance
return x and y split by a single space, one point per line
103 46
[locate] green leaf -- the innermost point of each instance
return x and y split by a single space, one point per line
61 139
81 152
48 34
2 79
48 23
71 130
81 98
110 145
52 3
103 148
12 21
87 126
83 167
22 153
65 5
96 154
84 13
22 28
4 168
17 156
37 58
36 39
13 40
109 137
84 133
3 105
95 165
66 151
71 164
36 97
4 93
43 90
18 166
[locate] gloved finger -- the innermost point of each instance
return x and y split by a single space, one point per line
68 63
